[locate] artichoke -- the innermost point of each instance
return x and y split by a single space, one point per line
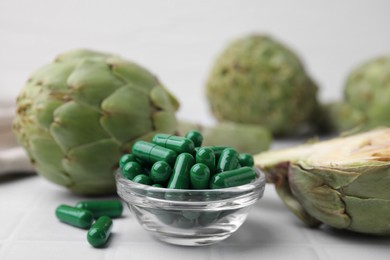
257 80
77 115
242 137
343 182
366 97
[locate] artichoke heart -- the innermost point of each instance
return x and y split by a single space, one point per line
343 182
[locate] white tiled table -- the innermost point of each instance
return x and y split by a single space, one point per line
29 230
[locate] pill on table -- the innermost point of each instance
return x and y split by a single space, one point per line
199 176
246 159
196 137
160 172
125 159
206 156
99 233
237 177
180 178
143 179
74 216
110 208
132 169
176 143
228 160
152 153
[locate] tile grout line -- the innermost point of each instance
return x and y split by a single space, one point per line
7 242
314 245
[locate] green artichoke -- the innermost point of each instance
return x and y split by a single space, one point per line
257 80
366 97
77 115
242 137
342 182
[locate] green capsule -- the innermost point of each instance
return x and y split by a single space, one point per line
151 153
228 160
196 137
143 179
165 216
199 176
74 216
206 156
110 208
99 233
191 214
246 159
184 223
217 151
208 218
176 143
180 178
160 172
125 159
157 185
233 178
132 169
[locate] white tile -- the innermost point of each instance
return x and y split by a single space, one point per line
42 225
330 236
357 252
57 251
160 251
264 251
21 192
9 221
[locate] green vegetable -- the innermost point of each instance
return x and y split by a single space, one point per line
366 98
77 115
257 80
342 182
245 138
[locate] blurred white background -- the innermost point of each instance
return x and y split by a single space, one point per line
178 40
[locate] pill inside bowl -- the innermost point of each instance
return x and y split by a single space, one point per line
187 194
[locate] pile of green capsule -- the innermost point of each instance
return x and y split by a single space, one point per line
84 213
176 162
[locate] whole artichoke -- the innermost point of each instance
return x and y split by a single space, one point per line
257 80
77 115
244 138
342 182
366 97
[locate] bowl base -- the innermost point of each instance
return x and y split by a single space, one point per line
184 240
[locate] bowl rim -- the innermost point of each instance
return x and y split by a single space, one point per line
258 183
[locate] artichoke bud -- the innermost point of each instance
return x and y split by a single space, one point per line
366 95
77 115
245 138
258 80
341 182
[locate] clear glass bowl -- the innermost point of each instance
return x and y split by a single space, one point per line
190 217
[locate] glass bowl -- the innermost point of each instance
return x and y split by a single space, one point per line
190 217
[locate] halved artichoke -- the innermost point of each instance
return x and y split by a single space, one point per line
344 182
